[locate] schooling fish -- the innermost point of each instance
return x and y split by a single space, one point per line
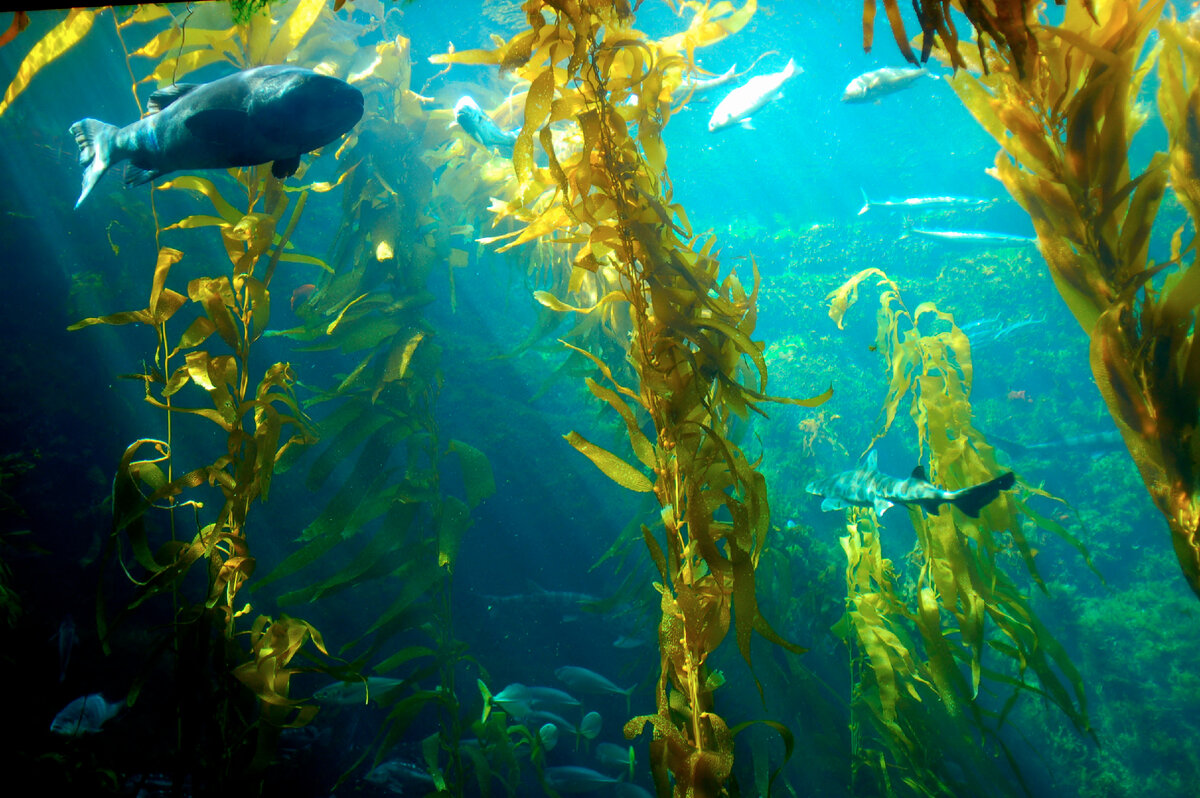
867 487
481 127
743 102
85 715
269 113
870 86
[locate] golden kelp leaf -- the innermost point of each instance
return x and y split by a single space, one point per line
63 37
293 30
842 298
216 296
613 467
206 187
643 449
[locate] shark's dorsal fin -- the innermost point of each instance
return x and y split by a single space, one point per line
872 463
919 473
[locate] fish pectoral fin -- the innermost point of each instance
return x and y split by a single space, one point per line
747 124
833 503
164 97
285 167
136 175
882 506
224 126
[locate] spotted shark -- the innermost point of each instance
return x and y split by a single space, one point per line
867 487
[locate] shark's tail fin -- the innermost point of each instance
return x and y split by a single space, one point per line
972 500
95 140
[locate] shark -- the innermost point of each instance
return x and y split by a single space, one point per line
867 487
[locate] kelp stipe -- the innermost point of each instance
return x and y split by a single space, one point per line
259 421
685 329
962 592
1066 132
390 517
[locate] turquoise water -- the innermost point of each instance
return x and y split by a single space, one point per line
531 590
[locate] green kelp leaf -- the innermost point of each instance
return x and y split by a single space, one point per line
345 430
453 520
613 467
368 476
402 656
313 551
477 472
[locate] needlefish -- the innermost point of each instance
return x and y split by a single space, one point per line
868 487
921 203
972 236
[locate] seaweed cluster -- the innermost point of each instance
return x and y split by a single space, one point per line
684 328
962 589
1066 130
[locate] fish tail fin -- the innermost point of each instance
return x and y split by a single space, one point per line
487 700
95 140
972 500
791 69
866 201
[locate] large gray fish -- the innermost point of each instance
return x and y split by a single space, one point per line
269 113
481 127
870 86
85 715
867 487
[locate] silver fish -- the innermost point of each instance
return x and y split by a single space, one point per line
85 715
743 102
269 113
975 236
867 487
921 203
697 86
872 85
582 680
1096 443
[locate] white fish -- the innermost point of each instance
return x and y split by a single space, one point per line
85 715
873 85
582 680
743 102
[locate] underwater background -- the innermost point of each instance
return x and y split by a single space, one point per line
403 479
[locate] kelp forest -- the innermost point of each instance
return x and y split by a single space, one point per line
478 458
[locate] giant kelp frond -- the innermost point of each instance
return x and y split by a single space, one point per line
963 603
695 367
1007 24
1066 138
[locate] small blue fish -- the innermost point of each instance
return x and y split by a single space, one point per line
85 715
481 127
